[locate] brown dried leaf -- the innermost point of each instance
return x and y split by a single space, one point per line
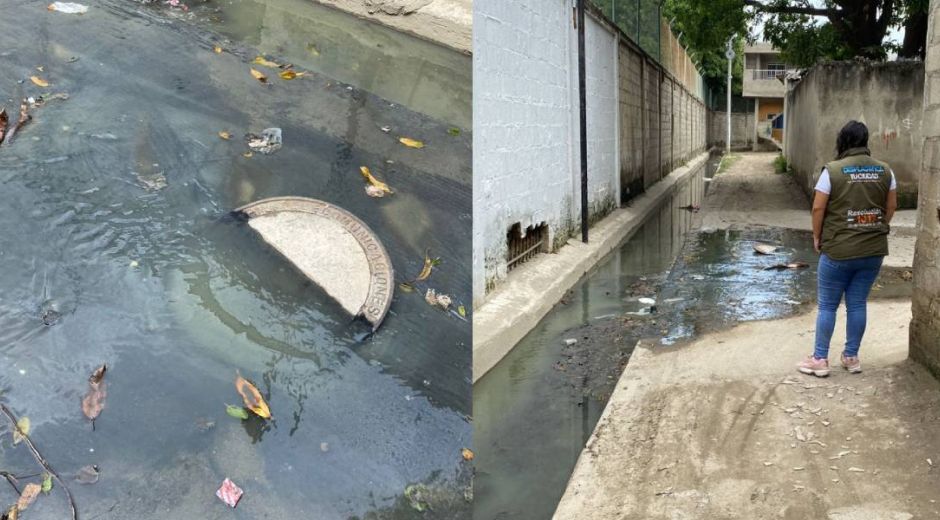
28 496
94 399
252 397
259 76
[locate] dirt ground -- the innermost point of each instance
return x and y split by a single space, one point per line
447 22
750 193
726 428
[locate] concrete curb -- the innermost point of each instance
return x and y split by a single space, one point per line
518 305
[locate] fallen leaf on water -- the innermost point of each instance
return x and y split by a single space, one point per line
236 411
259 76
407 287
247 155
21 431
373 181
252 397
411 143
429 264
467 454
4 121
39 81
291 74
454 131
12 514
93 402
87 475
765 249
28 496
462 311
225 135
260 60
791 265
217 49
46 483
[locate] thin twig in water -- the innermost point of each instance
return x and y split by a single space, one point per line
11 478
39 458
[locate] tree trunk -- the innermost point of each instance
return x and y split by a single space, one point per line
915 36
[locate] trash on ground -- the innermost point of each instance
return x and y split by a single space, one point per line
570 341
21 431
647 301
68 7
93 402
765 249
373 182
87 475
236 411
438 299
267 143
258 75
229 493
252 397
411 143
39 81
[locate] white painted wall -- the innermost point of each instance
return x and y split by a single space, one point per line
525 124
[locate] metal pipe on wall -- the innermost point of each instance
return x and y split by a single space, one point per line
582 102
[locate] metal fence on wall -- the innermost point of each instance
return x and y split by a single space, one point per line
638 19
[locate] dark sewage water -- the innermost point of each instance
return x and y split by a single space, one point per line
114 230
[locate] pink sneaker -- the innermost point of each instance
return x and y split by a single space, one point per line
815 367
851 363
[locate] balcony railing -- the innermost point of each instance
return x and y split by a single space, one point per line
766 73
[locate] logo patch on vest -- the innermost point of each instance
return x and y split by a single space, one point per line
872 173
864 218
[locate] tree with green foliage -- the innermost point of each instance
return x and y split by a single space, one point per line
805 31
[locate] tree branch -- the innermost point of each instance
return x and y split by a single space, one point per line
792 9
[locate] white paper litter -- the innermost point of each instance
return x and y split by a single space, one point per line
68 7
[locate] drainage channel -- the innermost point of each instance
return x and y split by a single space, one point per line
535 410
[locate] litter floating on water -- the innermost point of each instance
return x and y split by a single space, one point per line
229 493
765 249
267 143
68 7
647 301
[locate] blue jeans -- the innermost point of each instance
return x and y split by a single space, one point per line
853 278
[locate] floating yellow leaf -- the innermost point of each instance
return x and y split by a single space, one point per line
217 49
28 496
265 63
406 287
429 264
21 431
411 143
291 74
39 81
225 135
259 76
462 311
467 454
94 399
373 181
252 397
247 155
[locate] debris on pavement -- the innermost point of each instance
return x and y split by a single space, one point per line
229 493
267 143
68 7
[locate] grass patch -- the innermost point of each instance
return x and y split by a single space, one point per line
727 161
780 164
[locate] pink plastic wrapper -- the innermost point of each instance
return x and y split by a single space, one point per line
229 493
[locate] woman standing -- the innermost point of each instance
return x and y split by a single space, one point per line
855 199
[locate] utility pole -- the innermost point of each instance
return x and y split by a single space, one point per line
730 55
582 102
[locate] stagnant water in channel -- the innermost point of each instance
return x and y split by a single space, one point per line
176 298
536 409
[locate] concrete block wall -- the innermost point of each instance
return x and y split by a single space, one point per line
888 97
925 326
526 160
742 129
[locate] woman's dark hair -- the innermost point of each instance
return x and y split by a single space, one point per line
853 135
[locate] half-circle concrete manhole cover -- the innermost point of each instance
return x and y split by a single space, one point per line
332 247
